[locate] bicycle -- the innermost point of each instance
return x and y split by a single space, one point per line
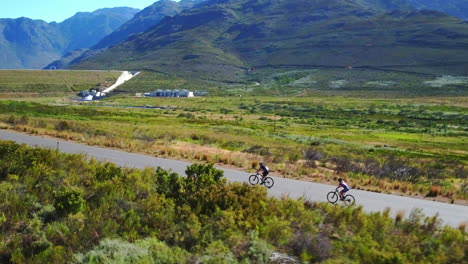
334 196
258 178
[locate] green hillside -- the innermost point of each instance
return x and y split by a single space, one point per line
142 21
43 82
225 41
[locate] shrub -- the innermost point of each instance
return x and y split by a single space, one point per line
217 253
254 164
108 171
62 125
260 150
11 120
195 219
161 253
23 120
399 217
259 250
311 155
114 251
434 191
68 200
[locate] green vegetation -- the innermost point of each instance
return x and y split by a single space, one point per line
62 208
411 146
53 82
225 40
369 83
148 81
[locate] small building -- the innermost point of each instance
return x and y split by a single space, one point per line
200 93
170 93
186 93
88 98
90 95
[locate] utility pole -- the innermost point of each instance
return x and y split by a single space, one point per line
274 123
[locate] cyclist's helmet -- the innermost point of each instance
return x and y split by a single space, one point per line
261 163
340 180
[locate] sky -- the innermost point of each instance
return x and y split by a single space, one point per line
59 10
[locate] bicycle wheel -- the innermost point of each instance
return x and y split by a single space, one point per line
253 179
349 200
332 197
269 182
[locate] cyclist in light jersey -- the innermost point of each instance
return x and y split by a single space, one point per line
344 186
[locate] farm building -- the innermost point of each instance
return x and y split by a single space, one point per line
170 93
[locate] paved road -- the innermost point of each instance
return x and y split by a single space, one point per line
451 214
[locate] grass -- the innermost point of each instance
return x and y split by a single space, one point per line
21 82
426 133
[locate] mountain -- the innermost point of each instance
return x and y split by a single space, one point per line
27 43
385 5
142 21
225 39
145 19
85 29
457 8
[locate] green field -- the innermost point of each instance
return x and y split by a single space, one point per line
59 82
371 83
393 145
59 208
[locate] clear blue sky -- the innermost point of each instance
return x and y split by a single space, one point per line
59 10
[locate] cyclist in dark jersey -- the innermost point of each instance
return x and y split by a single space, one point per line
265 170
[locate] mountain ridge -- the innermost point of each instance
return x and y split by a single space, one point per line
221 40
32 44
142 21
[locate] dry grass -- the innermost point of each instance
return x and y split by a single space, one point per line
205 153
405 187
382 184
434 191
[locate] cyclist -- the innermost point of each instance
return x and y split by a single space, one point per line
344 186
265 170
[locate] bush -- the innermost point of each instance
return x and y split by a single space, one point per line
68 200
114 251
435 191
217 253
260 150
200 218
311 155
259 250
62 125
143 251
